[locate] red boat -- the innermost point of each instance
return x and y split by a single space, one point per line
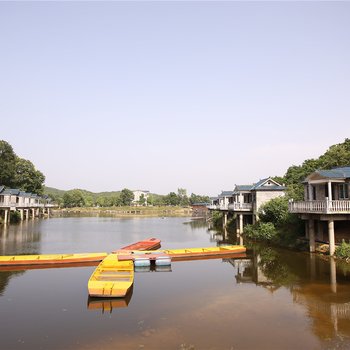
146 244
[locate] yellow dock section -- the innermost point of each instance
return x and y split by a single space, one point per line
185 253
112 278
50 259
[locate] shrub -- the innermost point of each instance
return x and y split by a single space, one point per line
15 217
261 231
343 251
217 218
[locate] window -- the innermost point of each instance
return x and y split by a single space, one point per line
343 191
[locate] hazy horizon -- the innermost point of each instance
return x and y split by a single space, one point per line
165 95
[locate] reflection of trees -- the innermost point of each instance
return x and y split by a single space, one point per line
197 224
5 277
272 266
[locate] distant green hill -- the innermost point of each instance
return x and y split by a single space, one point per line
55 192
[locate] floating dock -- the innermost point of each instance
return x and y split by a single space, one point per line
184 254
112 278
50 259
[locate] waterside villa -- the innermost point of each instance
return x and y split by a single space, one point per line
245 201
326 206
28 204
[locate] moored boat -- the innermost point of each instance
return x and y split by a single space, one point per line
146 244
112 278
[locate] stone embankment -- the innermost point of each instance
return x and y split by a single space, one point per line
125 211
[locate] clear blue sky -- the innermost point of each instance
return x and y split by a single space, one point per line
161 95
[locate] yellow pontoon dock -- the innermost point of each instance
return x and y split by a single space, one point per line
50 259
184 254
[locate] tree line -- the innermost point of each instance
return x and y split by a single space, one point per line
16 172
125 197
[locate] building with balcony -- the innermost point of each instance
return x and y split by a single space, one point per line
15 200
326 206
245 201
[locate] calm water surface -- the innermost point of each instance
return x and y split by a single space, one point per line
273 299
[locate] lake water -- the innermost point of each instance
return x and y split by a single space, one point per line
273 299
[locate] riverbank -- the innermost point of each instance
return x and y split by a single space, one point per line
126 211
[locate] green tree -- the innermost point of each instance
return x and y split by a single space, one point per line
336 156
73 198
27 178
195 198
7 164
126 196
142 200
275 211
171 199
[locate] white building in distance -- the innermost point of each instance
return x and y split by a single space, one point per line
138 194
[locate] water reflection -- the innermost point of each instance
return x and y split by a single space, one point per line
22 238
200 302
108 305
312 282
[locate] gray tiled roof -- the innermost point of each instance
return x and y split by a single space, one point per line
335 173
243 188
225 194
259 186
11 191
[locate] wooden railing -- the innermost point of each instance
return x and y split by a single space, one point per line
321 207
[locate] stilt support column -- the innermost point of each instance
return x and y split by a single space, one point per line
331 237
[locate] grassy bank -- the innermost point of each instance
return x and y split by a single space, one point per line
126 211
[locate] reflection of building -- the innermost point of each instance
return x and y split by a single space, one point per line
249 271
326 206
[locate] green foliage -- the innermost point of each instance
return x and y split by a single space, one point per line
17 172
7 164
73 198
336 156
27 178
172 199
195 198
343 251
142 200
217 218
15 217
126 196
265 231
275 211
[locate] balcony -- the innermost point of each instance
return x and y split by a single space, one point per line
24 205
321 207
236 206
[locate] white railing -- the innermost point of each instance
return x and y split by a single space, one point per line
213 207
24 205
236 206
321 207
